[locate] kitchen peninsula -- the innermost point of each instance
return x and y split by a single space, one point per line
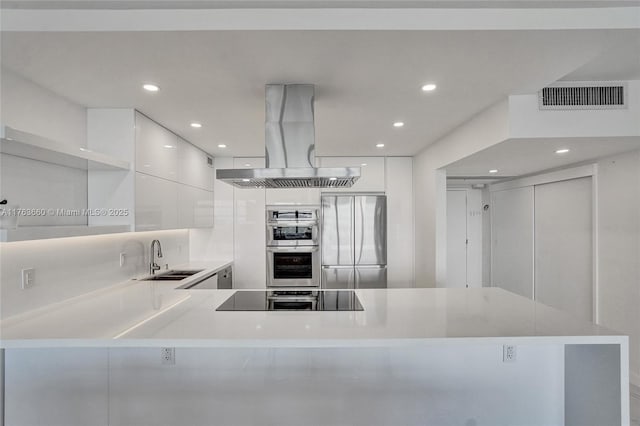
505 359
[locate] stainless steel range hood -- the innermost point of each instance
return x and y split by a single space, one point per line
290 146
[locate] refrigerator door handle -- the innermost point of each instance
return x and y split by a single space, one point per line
337 266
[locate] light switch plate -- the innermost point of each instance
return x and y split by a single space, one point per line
123 259
28 278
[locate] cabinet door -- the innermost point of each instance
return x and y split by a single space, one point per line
371 173
195 207
156 149
193 166
156 203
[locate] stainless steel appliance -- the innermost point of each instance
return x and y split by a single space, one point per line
290 146
293 251
287 300
294 226
354 241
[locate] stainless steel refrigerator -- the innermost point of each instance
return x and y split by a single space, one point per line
354 241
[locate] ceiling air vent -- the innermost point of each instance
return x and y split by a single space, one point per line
567 95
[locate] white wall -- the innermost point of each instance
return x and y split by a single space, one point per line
400 232
526 120
68 267
249 232
31 108
483 130
618 206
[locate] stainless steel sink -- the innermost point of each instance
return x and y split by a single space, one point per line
174 275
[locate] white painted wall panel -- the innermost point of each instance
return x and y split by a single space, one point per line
528 121
456 239
563 246
250 265
485 129
619 249
400 221
512 240
371 176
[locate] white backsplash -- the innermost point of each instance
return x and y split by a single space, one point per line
69 267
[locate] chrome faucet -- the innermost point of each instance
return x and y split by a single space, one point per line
153 266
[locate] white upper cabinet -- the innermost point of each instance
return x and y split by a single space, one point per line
195 167
196 207
371 169
156 205
156 149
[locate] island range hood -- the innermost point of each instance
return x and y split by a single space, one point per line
290 146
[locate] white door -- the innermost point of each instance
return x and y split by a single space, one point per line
512 240
563 246
456 239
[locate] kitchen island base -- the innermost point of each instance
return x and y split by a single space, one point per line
408 382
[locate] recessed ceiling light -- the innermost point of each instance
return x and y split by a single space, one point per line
85 150
379 145
333 178
246 180
150 87
196 125
428 87
562 151
363 164
398 124
247 165
221 145
493 171
168 146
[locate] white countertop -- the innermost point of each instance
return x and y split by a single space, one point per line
155 313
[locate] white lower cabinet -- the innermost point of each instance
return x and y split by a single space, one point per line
156 203
195 207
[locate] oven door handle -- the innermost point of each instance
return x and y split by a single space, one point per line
289 223
296 249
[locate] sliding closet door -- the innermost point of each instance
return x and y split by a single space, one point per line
512 240
564 247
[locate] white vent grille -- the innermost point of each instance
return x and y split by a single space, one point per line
571 95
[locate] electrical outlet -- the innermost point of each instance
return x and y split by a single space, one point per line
509 353
123 259
28 278
168 356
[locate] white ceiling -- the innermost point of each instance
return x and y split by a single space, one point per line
204 4
519 157
365 80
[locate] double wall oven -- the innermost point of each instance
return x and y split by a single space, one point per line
293 246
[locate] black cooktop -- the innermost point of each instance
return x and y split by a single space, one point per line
292 300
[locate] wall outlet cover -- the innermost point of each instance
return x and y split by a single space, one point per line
509 353
168 356
28 278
